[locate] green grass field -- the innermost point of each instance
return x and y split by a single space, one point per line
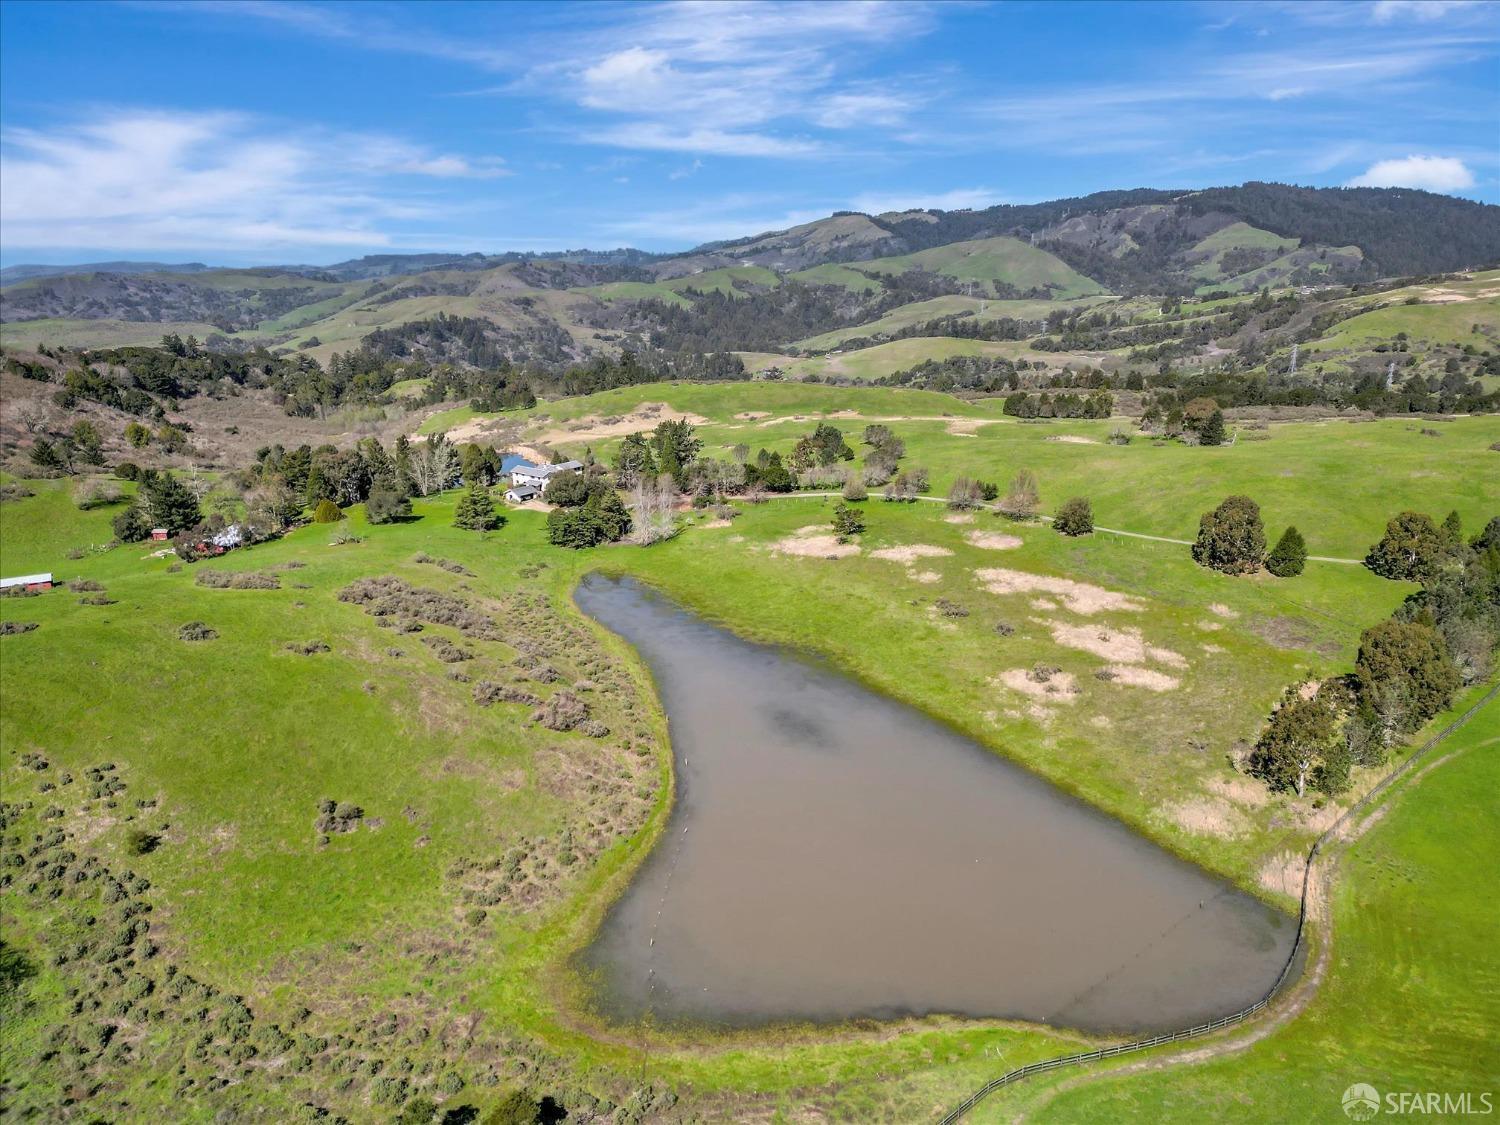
1293 470
1412 1000
237 739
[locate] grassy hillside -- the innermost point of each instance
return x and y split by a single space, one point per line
392 927
1006 260
1375 468
1413 913
919 312
1236 236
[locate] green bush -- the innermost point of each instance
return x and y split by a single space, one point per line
1288 557
327 512
1075 517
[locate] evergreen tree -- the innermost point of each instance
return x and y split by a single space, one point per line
1410 658
327 512
847 522
1411 550
1231 538
405 480
1453 524
1301 732
1212 432
168 503
774 476
475 510
386 505
1075 517
1288 556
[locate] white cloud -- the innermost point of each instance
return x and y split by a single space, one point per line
1429 173
727 78
854 110
959 199
1385 11
735 215
660 137
204 181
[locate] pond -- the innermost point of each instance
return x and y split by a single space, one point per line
835 854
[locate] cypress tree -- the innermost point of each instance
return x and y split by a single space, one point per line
1288 556
1212 432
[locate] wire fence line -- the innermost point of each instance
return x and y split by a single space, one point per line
1330 835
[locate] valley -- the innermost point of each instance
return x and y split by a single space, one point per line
337 782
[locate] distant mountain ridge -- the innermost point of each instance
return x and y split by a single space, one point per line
1400 231
767 290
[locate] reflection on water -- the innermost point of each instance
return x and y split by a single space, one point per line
834 854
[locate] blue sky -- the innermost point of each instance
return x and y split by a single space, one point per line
260 132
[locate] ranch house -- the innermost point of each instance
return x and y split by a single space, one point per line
537 476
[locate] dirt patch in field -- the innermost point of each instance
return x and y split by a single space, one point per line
1283 632
910 553
1207 816
1135 676
493 431
1074 439
1123 646
927 577
1219 609
993 540
1240 790
717 523
752 415
646 416
1080 597
814 543
1058 687
1212 650
959 517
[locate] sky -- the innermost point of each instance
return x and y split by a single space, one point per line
284 131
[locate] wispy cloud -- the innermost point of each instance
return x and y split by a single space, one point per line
129 179
1430 173
362 26
728 78
958 199
733 215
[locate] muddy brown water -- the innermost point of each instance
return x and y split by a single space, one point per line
834 854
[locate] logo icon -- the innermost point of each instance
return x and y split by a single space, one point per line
1361 1102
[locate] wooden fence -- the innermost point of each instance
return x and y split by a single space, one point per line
1329 836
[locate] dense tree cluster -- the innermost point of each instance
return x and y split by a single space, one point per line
1407 669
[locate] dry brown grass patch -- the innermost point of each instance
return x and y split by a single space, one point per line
1080 597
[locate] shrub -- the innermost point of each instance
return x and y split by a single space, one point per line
1231 538
1075 517
386 505
855 490
1288 557
516 1107
1024 495
11 628
327 512
196 631
96 492
563 711
140 842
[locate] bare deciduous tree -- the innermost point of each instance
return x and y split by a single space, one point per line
652 504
